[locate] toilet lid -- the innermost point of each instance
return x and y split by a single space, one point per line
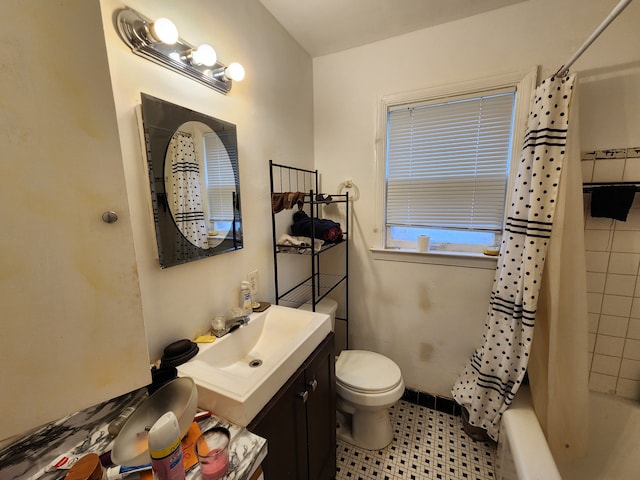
367 372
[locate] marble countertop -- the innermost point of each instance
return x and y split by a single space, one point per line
85 432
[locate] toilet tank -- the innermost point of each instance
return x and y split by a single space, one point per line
326 305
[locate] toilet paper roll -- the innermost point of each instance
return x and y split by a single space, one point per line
423 243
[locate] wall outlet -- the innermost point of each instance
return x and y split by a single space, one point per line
254 279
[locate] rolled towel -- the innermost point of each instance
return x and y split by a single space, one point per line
612 202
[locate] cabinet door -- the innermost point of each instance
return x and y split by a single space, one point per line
72 326
321 413
283 424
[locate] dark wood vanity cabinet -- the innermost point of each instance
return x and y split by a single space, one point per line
299 422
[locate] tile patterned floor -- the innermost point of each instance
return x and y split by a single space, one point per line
427 444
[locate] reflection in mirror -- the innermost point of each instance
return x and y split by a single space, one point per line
194 182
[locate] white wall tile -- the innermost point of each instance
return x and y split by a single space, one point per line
624 263
608 345
631 153
614 326
628 389
635 308
613 247
597 223
631 349
611 153
587 170
634 329
610 170
623 285
616 305
605 364
602 383
597 261
633 217
630 369
631 170
626 241
595 282
594 302
597 240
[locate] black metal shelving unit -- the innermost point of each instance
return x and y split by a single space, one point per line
319 283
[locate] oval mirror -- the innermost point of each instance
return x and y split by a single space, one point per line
200 184
193 165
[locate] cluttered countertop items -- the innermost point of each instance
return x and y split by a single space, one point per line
72 438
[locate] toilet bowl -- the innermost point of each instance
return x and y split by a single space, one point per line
367 385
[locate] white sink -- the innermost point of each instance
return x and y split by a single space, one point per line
237 374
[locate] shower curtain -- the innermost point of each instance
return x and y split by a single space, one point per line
490 381
186 200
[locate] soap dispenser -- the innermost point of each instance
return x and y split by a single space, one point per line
245 298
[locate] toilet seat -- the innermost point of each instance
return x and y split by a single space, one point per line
367 372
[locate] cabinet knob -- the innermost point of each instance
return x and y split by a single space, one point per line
304 396
110 217
313 384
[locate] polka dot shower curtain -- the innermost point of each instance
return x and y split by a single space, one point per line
186 200
490 381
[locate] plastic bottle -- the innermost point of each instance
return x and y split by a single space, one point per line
245 298
115 426
165 448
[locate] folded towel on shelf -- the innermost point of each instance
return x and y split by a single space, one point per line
325 229
612 201
294 244
286 200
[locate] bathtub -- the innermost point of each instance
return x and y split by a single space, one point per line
613 452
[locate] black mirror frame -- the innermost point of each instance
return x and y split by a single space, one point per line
161 119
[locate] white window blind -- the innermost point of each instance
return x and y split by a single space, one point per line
447 163
221 182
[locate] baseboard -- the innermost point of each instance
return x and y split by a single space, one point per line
435 402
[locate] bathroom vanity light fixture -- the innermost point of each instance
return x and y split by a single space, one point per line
159 42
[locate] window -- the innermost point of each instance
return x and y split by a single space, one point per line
446 165
221 184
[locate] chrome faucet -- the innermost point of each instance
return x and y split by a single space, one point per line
229 325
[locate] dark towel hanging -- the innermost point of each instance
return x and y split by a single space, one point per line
612 201
286 200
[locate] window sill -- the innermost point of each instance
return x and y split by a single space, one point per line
435 257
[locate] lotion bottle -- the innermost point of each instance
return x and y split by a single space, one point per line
245 298
165 448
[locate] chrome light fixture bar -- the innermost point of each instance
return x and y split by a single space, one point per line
159 42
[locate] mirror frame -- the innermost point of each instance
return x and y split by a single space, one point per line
161 119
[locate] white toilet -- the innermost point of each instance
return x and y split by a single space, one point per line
367 384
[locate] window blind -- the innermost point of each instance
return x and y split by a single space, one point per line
221 182
447 163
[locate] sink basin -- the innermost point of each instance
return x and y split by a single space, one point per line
239 373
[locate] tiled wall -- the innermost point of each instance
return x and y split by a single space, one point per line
613 286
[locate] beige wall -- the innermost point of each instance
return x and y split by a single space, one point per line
272 110
429 318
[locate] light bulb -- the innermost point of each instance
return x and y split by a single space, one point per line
234 71
164 31
204 55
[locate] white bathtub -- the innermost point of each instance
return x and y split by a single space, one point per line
613 452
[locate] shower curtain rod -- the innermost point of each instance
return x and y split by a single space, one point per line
564 69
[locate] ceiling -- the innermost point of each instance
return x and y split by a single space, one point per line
329 26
